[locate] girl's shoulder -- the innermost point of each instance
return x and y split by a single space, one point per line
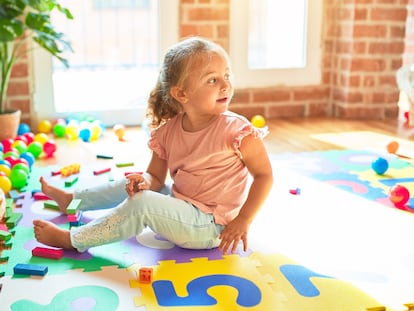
232 117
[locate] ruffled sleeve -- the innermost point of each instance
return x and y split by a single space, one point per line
246 130
155 145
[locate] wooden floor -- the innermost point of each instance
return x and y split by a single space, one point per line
295 135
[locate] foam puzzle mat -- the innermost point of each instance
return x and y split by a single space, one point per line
106 277
351 170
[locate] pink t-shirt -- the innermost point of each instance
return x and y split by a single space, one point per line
206 166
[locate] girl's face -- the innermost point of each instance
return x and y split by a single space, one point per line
208 88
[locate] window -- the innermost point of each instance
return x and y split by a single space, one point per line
117 46
275 42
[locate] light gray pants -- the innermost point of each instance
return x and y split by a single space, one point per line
176 220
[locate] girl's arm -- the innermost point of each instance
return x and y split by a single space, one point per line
257 162
153 179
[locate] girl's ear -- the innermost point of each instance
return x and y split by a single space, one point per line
178 94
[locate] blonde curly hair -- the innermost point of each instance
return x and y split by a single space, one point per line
174 72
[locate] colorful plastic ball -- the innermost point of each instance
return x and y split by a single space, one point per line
21 138
21 166
95 131
380 165
85 134
59 129
6 143
41 138
72 130
28 157
18 178
5 183
392 147
44 126
1 147
258 121
119 130
399 195
29 136
23 128
5 169
11 159
35 148
20 146
2 161
49 148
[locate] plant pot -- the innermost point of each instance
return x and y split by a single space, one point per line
9 124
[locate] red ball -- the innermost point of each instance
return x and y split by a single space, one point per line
49 148
399 195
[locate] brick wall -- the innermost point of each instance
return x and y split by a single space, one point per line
364 43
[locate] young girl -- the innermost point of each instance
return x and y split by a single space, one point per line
208 151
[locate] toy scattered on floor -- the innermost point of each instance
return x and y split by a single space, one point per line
392 147
380 165
70 169
85 128
30 269
145 275
258 121
119 131
45 252
295 191
102 171
399 195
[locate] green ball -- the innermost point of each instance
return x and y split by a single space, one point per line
18 178
59 130
21 166
35 148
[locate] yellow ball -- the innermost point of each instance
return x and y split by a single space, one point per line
41 138
44 126
258 121
5 184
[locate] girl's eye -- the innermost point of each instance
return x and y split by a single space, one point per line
212 81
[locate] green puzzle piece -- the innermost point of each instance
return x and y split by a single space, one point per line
87 297
23 242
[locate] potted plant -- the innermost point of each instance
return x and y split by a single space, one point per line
23 25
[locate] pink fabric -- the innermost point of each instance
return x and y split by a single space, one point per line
206 166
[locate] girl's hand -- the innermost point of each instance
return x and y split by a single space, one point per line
136 183
234 232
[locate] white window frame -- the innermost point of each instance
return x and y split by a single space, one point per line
43 85
245 77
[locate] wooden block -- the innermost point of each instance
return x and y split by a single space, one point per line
70 182
50 204
145 275
103 156
40 196
124 164
5 235
75 217
12 221
14 195
73 206
30 269
47 252
102 171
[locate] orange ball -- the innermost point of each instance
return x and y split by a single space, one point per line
119 130
392 147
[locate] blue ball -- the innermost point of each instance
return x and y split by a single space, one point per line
380 165
85 134
23 129
28 157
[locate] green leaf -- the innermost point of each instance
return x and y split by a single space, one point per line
10 29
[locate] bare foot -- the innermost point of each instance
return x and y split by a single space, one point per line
61 197
49 234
